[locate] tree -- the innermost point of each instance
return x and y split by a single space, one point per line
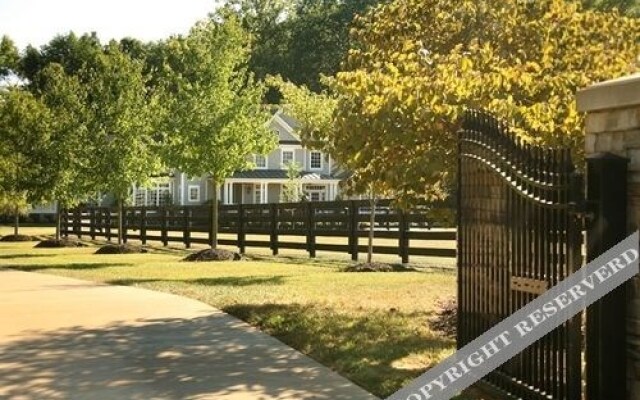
320 39
123 122
9 56
215 121
70 51
629 7
418 63
25 125
69 156
299 40
316 115
291 190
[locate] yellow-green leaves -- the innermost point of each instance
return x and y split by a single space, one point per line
215 120
418 63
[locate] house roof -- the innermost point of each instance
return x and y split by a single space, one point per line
280 174
285 126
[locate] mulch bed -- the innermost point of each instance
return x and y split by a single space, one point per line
121 249
213 255
52 243
17 238
445 319
378 267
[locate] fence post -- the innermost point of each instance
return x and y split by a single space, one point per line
353 230
65 222
92 223
403 236
143 225
108 227
241 234
163 226
125 223
273 228
311 237
77 222
606 319
186 234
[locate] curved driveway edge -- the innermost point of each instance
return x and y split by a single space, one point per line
63 338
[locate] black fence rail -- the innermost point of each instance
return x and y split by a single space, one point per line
274 226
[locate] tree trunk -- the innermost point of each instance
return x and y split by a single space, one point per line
58 221
214 215
372 221
120 222
16 221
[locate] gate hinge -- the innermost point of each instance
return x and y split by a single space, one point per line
583 210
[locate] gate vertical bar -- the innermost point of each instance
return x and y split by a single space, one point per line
606 319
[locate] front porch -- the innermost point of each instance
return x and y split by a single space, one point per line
263 192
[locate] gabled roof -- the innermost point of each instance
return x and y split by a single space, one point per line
285 126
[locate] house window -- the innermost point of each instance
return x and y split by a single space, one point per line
316 192
140 198
260 161
316 160
257 194
194 194
287 157
154 196
163 194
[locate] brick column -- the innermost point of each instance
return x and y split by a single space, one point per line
613 125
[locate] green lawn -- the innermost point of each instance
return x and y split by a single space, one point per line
371 328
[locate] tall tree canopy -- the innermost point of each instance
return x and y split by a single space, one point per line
418 63
69 158
69 50
299 40
9 56
25 126
122 120
215 120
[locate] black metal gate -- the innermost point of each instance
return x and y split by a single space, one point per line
517 237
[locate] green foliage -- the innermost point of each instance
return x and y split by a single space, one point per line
9 56
292 188
320 39
629 7
69 159
70 51
215 121
25 126
299 40
313 110
12 203
122 120
418 63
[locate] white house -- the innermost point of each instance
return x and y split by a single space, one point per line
319 176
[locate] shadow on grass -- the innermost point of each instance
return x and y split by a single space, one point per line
224 281
211 356
19 256
297 260
364 348
72 266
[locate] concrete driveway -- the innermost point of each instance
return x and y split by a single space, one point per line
62 338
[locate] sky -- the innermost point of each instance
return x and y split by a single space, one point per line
36 22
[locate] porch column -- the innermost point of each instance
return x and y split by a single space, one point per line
228 187
263 193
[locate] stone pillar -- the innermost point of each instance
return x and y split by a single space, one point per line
613 125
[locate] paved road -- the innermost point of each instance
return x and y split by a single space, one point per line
62 338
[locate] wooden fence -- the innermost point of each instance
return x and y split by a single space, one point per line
276 223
